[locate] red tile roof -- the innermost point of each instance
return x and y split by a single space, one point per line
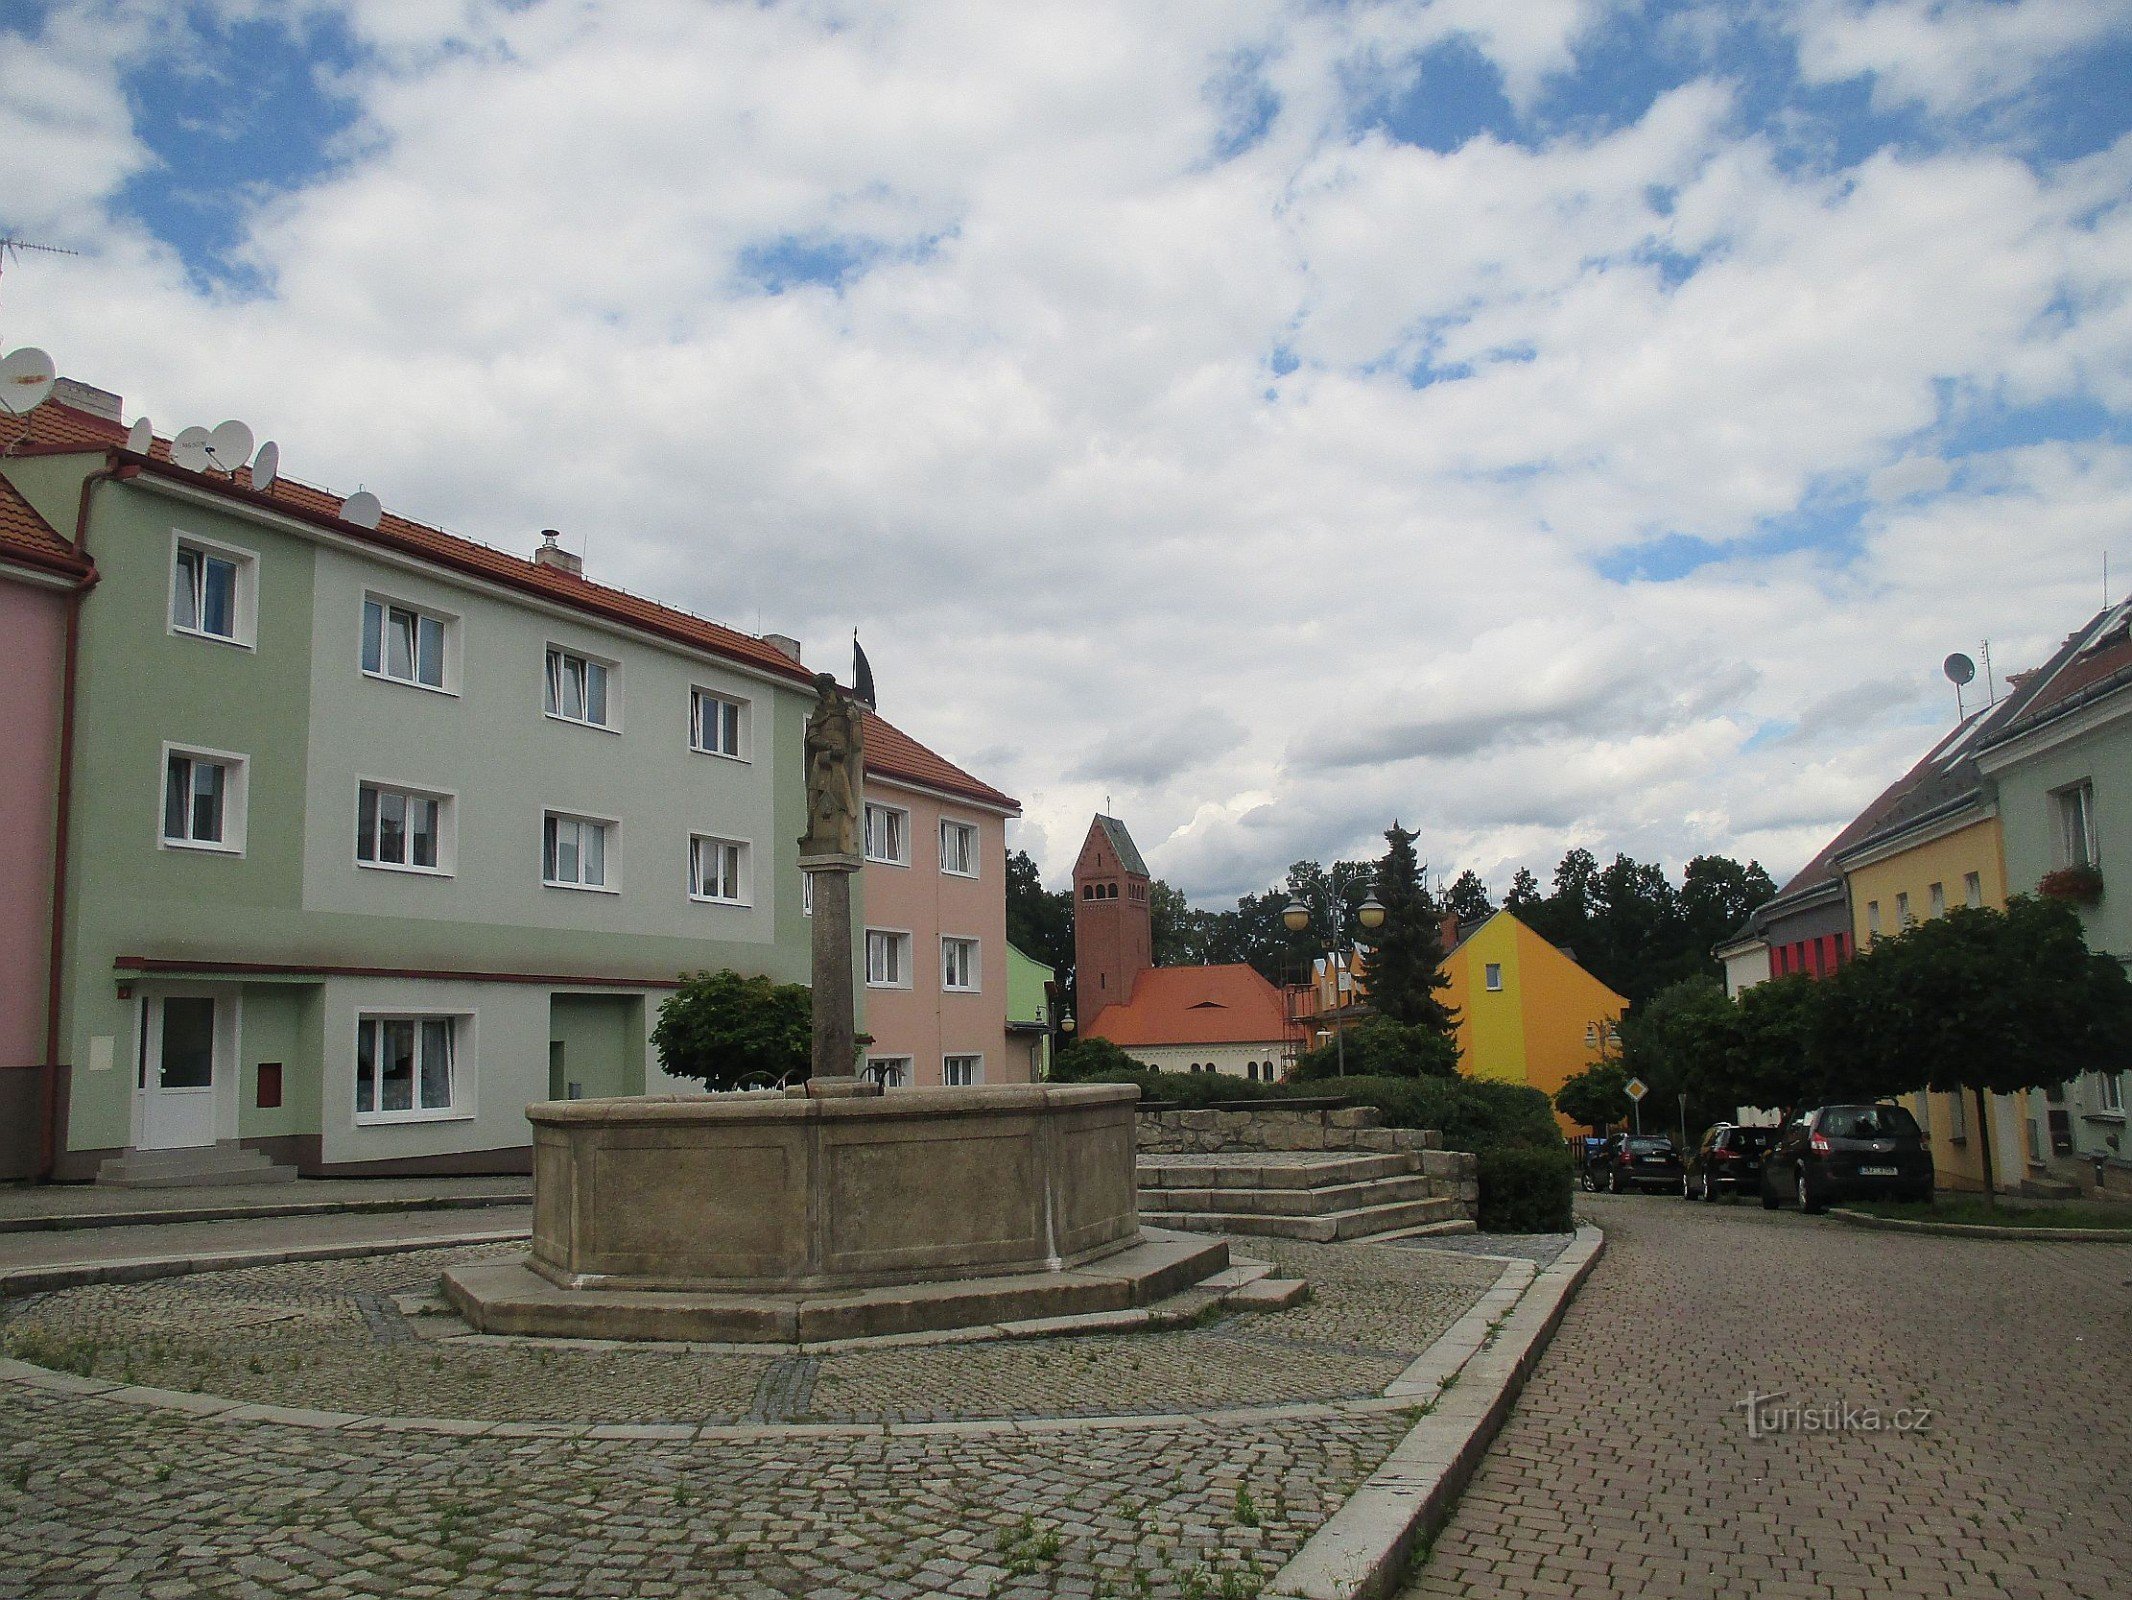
1195 1005
895 755
25 536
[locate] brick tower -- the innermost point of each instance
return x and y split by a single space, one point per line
1112 936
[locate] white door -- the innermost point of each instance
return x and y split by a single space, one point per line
178 1072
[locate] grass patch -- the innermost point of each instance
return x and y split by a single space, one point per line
1976 1211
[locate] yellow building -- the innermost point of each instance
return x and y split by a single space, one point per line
1937 846
1527 1013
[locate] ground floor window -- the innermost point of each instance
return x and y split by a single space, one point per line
405 1066
960 1072
890 1072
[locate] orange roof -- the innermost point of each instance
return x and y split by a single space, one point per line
1195 1005
56 428
25 536
895 755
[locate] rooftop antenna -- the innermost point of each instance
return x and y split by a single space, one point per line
10 246
1959 669
1991 686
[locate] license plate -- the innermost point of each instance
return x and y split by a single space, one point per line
1877 1172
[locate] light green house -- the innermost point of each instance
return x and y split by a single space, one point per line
376 834
1029 1015
2062 770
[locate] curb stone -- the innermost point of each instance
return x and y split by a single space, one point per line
154 1216
140 1269
1361 1551
1981 1230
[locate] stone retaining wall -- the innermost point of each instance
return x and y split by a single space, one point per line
1274 1127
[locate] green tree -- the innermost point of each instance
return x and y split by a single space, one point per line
1467 898
1407 954
1039 920
1378 1047
730 1032
1179 931
1088 1060
1680 1043
1524 897
1597 1097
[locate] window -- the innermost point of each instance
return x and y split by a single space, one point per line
405 1067
2112 1087
1972 890
717 870
715 723
888 835
2076 825
399 828
402 643
1495 975
1903 919
958 965
211 591
574 851
203 800
806 894
1957 1117
962 1072
1872 919
890 1072
578 689
958 849
888 959
1937 907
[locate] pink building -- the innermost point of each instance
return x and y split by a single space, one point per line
39 575
935 892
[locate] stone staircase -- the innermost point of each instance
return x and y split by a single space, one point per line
1316 1195
227 1162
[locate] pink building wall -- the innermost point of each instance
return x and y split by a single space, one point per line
923 1021
33 623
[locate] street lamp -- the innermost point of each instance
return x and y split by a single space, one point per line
1296 918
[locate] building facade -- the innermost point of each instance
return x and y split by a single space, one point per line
376 834
1031 1009
1527 1012
1224 1018
1113 931
937 967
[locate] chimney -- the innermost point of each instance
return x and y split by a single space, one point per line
784 644
1447 929
85 397
551 554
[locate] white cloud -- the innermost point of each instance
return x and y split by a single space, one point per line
1948 56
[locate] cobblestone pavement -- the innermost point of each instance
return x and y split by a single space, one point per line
1538 1248
105 1499
22 1203
1627 1467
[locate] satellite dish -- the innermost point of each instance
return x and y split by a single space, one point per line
26 377
140 438
362 508
1959 669
266 466
230 446
189 450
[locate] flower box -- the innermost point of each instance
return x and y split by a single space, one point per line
2081 885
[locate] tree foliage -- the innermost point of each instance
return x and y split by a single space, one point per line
1467 898
1597 1097
730 1032
1378 1047
1406 959
1096 1060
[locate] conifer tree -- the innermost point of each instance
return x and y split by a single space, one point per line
1406 962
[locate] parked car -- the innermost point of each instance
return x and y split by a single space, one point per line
1591 1162
1641 1161
1847 1152
1728 1160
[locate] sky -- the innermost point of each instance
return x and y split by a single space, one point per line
1570 423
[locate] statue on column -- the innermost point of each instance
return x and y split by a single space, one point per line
835 751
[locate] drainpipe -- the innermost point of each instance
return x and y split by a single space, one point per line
48 1146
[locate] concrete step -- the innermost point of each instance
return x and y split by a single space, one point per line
1297 1202
212 1164
1362 1222
1242 1172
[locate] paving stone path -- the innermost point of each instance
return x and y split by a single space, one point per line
1046 1475
1628 1469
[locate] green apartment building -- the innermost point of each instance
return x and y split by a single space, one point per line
374 834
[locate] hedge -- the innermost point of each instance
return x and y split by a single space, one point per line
1525 1189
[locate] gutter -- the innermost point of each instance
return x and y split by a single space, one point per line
62 826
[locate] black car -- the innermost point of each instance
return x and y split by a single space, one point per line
1728 1161
1847 1152
1591 1162
1641 1161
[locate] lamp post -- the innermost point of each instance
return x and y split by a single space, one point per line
1296 918
1065 1037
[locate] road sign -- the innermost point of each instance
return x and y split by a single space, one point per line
1636 1088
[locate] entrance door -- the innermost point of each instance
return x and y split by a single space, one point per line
178 1073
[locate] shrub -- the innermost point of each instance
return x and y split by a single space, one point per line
1471 1113
1525 1189
1096 1061
726 1030
1382 1048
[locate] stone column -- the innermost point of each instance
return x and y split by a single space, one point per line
835 1044
829 854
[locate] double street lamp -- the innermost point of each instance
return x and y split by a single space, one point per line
1340 953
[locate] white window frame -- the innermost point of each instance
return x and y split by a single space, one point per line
968 832
901 832
610 851
464 1030
952 945
570 653
2071 851
806 894
898 939
1973 890
1936 901
2110 1093
742 876
972 1070
244 598
1903 919
236 791
905 1069
447 809
447 643
1872 920
698 697
1492 976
